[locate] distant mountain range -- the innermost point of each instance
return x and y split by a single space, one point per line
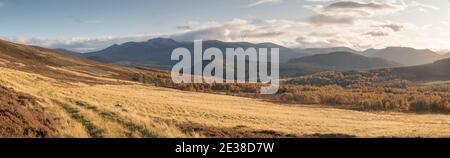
315 51
437 71
405 56
40 60
402 55
156 53
345 61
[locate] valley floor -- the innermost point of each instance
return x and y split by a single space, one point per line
128 109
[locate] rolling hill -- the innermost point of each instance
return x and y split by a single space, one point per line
405 56
344 61
396 77
57 65
437 71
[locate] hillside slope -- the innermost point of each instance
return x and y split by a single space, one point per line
21 115
57 65
404 56
437 71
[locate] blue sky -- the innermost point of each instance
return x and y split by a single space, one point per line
89 25
90 18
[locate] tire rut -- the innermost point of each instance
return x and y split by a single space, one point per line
114 117
74 113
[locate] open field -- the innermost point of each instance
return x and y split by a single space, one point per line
108 110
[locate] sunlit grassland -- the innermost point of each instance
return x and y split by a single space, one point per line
137 110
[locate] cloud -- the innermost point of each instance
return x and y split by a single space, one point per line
347 31
79 44
183 27
393 27
423 7
307 41
321 19
377 34
349 12
446 23
254 3
290 33
237 29
234 30
357 9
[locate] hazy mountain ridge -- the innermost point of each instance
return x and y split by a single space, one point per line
158 50
315 51
404 55
389 77
437 71
345 61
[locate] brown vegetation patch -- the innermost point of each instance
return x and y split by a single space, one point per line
57 65
330 135
237 132
21 116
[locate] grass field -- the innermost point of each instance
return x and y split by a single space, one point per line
128 109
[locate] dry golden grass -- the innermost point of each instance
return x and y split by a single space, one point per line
136 110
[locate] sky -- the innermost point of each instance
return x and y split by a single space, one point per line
90 25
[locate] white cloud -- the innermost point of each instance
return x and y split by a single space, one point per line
357 9
294 33
358 24
377 33
393 27
362 34
321 19
79 44
422 6
260 2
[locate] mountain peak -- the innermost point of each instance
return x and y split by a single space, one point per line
161 41
437 71
315 51
405 55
